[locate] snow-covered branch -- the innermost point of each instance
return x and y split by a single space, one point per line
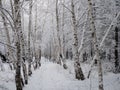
102 42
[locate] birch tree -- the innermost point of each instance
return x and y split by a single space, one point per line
63 38
93 29
34 39
22 45
18 51
58 33
29 39
78 70
60 48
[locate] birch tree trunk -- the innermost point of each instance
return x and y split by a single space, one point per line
93 29
78 70
22 45
18 29
58 34
54 41
24 56
63 41
60 51
29 35
34 40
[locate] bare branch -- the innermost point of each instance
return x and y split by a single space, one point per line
7 45
67 7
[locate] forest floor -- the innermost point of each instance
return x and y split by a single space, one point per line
51 76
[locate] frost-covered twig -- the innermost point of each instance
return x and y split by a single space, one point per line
82 38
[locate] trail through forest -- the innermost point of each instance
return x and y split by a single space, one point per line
51 76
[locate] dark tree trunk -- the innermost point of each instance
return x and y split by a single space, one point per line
84 56
67 54
116 51
18 69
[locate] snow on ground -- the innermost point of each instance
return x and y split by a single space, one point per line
51 76
7 81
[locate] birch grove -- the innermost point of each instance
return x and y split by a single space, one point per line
75 42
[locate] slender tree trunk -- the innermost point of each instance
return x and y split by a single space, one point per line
63 42
93 29
34 40
18 29
60 52
12 8
39 58
29 35
58 33
24 56
117 66
54 41
78 70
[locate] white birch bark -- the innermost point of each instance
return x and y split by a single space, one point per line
17 25
78 70
29 35
96 48
63 40
34 39
58 34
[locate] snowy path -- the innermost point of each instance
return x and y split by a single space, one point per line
51 76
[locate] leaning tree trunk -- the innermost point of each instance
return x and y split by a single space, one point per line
96 48
78 70
18 28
